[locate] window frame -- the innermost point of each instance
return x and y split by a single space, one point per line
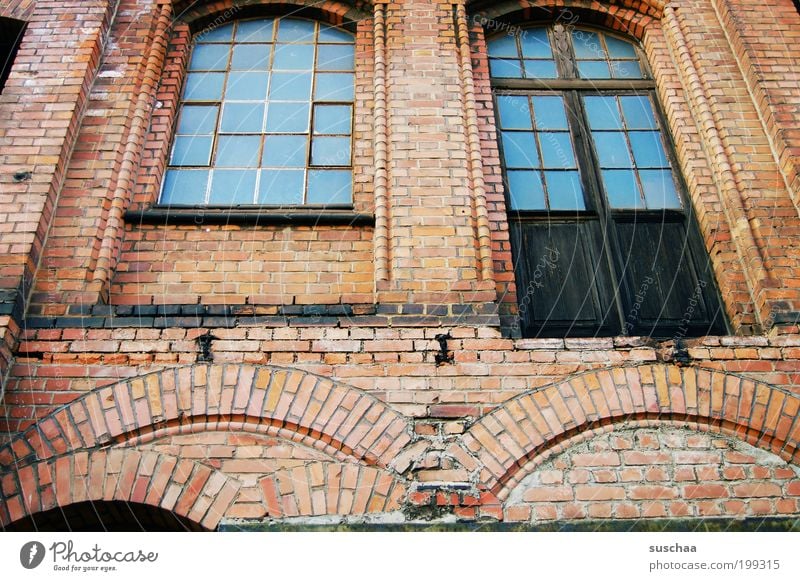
286 212
572 88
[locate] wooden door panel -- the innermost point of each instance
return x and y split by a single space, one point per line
562 279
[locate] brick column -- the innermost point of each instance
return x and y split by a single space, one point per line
86 233
433 256
40 110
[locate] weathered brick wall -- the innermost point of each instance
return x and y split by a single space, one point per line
206 264
325 397
642 472
54 366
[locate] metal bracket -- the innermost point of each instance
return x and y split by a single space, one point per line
443 356
204 342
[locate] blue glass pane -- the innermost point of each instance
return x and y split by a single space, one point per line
222 33
255 30
515 112
593 70
602 112
333 34
330 187
504 46
184 187
291 30
251 57
242 118
191 150
204 86
587 45
330 151
294 57
197 120
334 87
290 87
247 86
626 70
333 119
505 69
288 117
519 149
549 113
540 70
535 44
238 151
611 148
557 150
564 190
638 112
209 57
284 151
525 190
620 49
281 188
659 189
232 188
621 189
336 57
647 149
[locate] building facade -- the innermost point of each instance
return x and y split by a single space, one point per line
274 263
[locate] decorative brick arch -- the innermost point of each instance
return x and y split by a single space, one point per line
337 11
338 419
187 488
328 489
630 16
502 442
17 9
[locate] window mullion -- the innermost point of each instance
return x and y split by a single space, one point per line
590 170
562 53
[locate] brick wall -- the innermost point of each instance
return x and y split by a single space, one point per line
327 394
641 473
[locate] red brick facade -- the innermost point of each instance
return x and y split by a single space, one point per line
232 368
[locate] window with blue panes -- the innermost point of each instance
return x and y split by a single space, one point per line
604 241
266 117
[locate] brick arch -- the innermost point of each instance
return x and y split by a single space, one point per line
17 9
187 488
337 11
507 439
331 489
630 16
289 403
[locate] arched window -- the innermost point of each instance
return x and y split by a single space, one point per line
266 117
603 237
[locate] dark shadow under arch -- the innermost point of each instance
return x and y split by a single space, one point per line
104 516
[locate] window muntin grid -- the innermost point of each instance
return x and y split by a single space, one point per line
254 91
601 56
538 152
634 170
630 152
